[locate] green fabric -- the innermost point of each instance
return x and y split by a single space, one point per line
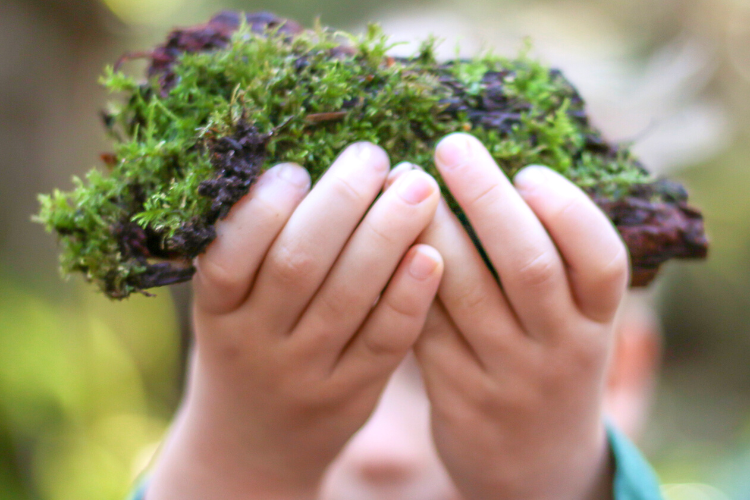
634 478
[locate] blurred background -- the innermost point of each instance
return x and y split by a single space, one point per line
87 387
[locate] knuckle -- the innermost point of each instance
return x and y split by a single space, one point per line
586 359
326 392
267 208
485 397
218 275
303 396
453 410
306 395
346 190
326 397
396 340
591 348
470 298
582 360
471 408
568 208
523 397
338 304
616 270
379 233
291 266
386 343
486 197
538 271
405 308
433 326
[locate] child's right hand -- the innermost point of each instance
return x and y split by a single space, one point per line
294 342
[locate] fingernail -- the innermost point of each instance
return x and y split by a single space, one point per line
397 171
294 174
453 151
370 155
426 259
414 187
530 178
362 150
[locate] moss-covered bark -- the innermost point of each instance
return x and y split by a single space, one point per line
226 100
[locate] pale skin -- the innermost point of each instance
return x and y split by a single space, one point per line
308 301
292 351
516 375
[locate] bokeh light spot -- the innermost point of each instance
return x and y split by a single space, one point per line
692 491
144 11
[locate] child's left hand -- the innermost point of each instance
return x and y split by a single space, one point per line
516 374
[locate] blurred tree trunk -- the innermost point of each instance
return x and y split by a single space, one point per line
51 52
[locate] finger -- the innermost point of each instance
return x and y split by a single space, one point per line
311 241
468 290
397 172
595 255
367 263
397 319
527 262
226 270
446 360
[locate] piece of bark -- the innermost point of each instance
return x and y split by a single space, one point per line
652 217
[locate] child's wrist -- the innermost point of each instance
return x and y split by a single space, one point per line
192 478
586 474
197 464
594 476
603 481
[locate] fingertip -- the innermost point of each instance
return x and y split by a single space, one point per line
289 173
541 184
294 174
397 172
369 153
226 268
416 186
454 150
457 149
426 262
530 178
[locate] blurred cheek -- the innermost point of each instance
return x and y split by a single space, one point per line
392 457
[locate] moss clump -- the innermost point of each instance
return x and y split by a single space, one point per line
228 99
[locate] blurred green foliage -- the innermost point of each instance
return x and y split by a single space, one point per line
84 392
87 388
164 138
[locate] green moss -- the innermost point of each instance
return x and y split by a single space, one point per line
308 104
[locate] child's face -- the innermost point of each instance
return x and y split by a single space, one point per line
392 457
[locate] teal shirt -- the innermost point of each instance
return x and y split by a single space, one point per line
139 492
634 478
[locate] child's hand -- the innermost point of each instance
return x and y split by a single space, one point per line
515 374
294 342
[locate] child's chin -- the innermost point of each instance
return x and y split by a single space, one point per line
391 493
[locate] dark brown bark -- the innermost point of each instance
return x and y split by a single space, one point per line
653 219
